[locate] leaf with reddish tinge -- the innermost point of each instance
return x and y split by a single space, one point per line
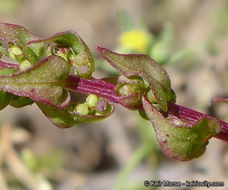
20 36
64 118
178 138
143 66
68 39
43 82
4 99
7 98
8 68
8 65
19 101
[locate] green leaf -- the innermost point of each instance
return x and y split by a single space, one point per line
20 37
68 39
143 66
4 99
65 118
19 101
43 82
7 71
15 101
161 51
7 98
8 68
125 21
3 51
180 139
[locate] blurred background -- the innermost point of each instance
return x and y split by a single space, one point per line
189 38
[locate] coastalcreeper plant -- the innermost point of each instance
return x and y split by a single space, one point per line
48 69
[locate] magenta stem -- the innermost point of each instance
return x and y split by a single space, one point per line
107 90
93 86
192 116
8 65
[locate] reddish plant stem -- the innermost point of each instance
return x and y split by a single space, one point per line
8 65
100 88
192 116
107 90
94 86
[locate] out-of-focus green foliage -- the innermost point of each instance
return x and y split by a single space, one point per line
8 6
46 162
140 40
219 28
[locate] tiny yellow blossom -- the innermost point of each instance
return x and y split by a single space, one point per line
135 39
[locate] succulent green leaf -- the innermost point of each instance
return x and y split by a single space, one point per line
20 36
179 139
145 67
3 51
15 53
68 39
4 99
65 118
13 100
43 82
19 101
7 71
8 68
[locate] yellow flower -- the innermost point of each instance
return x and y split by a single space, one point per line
135 39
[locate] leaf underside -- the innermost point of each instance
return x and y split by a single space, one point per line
178 139
64 118
68 39
20 37
43 82
143 66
